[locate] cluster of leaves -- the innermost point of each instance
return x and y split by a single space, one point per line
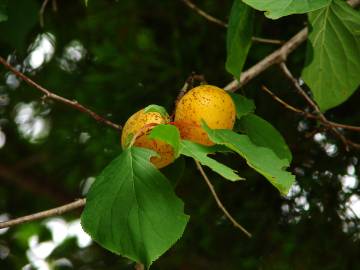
132 209
331 69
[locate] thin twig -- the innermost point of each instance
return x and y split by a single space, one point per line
203 13
189 83
287 105
312 103
327 124
307 114
218 201
44 214
268 40
48 94
299 89
275 57
223 24
353 128
41 12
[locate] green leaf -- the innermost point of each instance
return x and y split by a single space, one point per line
86 3
156 108
332 60
243 105
262 133
3 11
200 152
169 134
132 210
261 159
238 39
279 8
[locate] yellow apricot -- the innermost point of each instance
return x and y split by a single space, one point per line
207 102
140 125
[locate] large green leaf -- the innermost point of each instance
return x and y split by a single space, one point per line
200 152
279 8
262 133
243 105
132 210
332 62
261 159
238 40
169 134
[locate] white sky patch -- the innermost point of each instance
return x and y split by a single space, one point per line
74 52
4 217
12 81
331 149
319 137
30 125
84 137
299 196
2 139
41 50
60 231
294 190
350 169
302 126
350 180
58 228
86 184
75 229
353 206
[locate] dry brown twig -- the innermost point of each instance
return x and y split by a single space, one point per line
44 214
217 21
50 95
218 201
347 143
326 124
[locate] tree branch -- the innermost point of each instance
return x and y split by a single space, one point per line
315 107
276 57
48 213
48 94
326 123
218 201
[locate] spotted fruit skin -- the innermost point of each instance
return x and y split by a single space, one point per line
207 102
140 125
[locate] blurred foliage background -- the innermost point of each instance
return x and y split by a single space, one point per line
119 56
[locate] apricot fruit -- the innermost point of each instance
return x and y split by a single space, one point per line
137 128
205 102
